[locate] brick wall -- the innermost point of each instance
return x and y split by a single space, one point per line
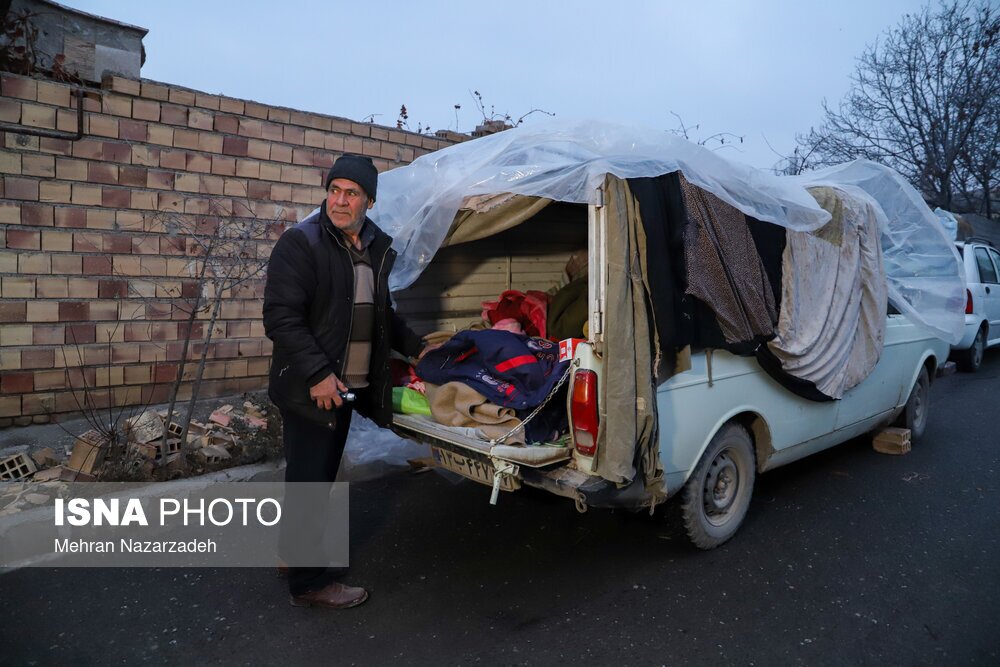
90 279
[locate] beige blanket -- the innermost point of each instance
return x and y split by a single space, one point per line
457 404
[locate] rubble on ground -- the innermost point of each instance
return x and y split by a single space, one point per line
144 448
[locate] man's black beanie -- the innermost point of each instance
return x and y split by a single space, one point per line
355 168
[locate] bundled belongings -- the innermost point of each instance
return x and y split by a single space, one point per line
834 300
490 378
525 309
510 370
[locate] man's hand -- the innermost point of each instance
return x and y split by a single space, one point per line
327 393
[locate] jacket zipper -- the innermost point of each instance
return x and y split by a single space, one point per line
381 265
350 320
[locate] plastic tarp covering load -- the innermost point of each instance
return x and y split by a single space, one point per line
922 266
833 304
563 161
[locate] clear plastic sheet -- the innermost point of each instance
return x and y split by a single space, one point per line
567 161
563 161
923 268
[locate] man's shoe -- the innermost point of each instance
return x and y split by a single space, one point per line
334 596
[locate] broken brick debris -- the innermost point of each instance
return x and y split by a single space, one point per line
89 452
892 441
16 467
45 457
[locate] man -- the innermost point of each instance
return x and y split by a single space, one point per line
328 312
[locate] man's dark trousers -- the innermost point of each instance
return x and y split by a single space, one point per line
312 454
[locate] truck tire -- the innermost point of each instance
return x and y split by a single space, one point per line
914 415
716 497
969 360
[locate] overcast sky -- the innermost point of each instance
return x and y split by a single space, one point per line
756 68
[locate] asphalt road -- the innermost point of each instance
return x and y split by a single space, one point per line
849 557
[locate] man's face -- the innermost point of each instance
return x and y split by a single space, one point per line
346 205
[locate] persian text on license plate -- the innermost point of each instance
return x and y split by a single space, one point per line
473 469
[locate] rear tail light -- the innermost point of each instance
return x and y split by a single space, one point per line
583 408
968 302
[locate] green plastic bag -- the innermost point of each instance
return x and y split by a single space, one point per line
410 402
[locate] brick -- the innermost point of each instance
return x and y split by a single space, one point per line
50 380
68 169
281 192
20 239
43 311
270 171
229 105
120 84
161 135
103 126
17 288
10 406
353 144
20 87
236 146
146 110
21 142
161 180
281 153
132 176
10 163
303 156
129 220
10 111
126 266
39 165
102 173
20 188
17 383
103 311
81 334
260 150
256 189
39 215
200 120
52 288
271 131
227 124
36 358
186 139
13 311
96 265
206 101
170 201
210 143
144 200
199 163
315 139
100 218
333 142
133 130
179 96
117 244
86 195
223 166
154 91
145 245
143 155
8 261
10 213
67 265
113 151
115 197
187 182
34 115
212 185
74 311
15 335
116 105
250 128
60 193
57 241
256 110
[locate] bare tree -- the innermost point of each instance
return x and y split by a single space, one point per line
919 96
224 250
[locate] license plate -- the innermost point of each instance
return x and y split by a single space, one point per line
477 471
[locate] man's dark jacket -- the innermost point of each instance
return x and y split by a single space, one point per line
308 309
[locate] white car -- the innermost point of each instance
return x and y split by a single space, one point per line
982 305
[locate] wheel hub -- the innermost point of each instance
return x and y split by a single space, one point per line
721 485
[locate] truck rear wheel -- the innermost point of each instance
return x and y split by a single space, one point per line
715 499
914 415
